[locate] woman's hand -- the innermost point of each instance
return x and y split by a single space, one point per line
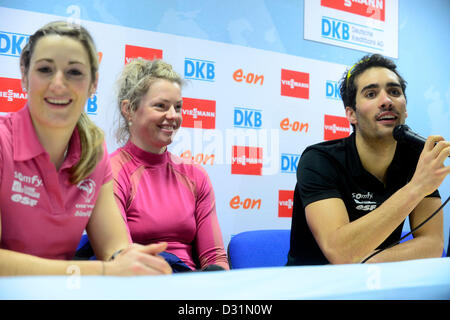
139 260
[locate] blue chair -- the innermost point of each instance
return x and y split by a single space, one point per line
407 238
259 248
84 249
444 254
448 248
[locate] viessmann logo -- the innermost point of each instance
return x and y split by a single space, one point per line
12 97
199 113
246 160
134 52
335 127
285 203
294 84
374 9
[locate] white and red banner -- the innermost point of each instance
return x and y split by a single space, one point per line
365 25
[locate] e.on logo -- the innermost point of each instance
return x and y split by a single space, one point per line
133 52
237 203
285 203
246 160
199 158
294 84
12 97
335 127
240 76
198 113
100 57
295 126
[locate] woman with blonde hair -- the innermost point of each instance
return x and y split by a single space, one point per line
161 196
55 176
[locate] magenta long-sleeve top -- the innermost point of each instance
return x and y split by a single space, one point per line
165 198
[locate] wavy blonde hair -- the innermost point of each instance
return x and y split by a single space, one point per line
91 136
135 80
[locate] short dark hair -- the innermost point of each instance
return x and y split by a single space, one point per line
347 85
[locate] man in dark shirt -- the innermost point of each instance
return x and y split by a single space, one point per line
353 194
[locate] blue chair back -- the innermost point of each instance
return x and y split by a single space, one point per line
444 254
259 248
84 249
448 246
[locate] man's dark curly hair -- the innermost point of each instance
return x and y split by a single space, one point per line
347 84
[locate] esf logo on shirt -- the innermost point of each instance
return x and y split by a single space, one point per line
23 200
24 188
362 201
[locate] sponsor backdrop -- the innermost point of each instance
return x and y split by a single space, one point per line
247 113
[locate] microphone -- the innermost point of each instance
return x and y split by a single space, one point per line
403 133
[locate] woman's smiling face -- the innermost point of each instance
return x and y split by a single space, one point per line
58 81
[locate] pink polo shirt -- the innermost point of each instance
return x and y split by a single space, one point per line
165 198
42 213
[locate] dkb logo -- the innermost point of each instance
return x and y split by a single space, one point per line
91 105
247 118
196 69
289 162
332 90
335 29
11 44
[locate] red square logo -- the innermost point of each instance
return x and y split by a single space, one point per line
285 203
133 52
198 113
294 84
335 127
246 160
370 9
12 97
